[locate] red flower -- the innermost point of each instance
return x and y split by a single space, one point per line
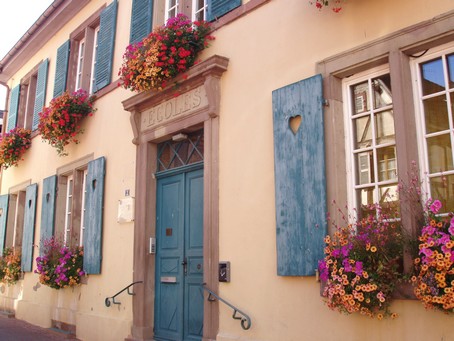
58 122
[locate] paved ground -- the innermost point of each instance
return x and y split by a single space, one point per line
12 329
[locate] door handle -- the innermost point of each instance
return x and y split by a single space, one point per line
185 265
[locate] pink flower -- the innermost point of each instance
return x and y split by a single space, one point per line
435 206
451 227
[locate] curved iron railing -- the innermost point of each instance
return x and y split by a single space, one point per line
108 299
245 319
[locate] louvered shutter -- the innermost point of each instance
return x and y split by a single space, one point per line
29 227
48 207
93 217
41 86
13 108
217 8
300 186
106 42
61 69
3 220
141 20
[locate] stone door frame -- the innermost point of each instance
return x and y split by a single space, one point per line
193 103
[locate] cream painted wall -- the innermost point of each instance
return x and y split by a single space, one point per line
108 133
278 44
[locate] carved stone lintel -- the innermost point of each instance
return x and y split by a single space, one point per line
196 93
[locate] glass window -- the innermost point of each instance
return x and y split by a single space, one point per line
80 63
435 94
370 125
198 10
93 63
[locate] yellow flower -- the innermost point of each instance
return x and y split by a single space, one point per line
380 316
373 249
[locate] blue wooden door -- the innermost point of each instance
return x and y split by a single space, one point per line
179 257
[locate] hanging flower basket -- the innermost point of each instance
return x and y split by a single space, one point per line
434 268
335 5
165 53
60 266
10 266
363 266
59 123
13 146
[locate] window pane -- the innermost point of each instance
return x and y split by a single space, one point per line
439 151
384 125
436 114
450 60
432 77
365 167
389 201
443 189
452 105
387 164
365 200
363 132
360 94
382 91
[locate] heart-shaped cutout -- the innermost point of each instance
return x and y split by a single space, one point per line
294 123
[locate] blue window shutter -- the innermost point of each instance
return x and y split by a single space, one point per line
61 69
48 207
106 41
217 8
41 86
141 20
93 218
29 227
300 186
3 220
13 108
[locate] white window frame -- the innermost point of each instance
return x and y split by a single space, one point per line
68 206
93 61
80 62
196 10
82 213
171 8
352 176
434 53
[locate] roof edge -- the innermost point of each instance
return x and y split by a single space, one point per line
44 28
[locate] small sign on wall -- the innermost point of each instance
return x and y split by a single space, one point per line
125 210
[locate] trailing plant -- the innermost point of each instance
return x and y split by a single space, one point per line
434 267
59 266
165 53
13 146
10 266
335 5
363 264
59 123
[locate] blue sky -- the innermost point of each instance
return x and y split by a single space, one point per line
16 17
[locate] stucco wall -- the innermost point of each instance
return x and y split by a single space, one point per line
275 45
278 44
107 133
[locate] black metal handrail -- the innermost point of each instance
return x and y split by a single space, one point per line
245 319
107 301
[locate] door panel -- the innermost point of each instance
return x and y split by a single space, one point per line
193 293
169 272
179 258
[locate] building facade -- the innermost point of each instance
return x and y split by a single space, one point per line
331 106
